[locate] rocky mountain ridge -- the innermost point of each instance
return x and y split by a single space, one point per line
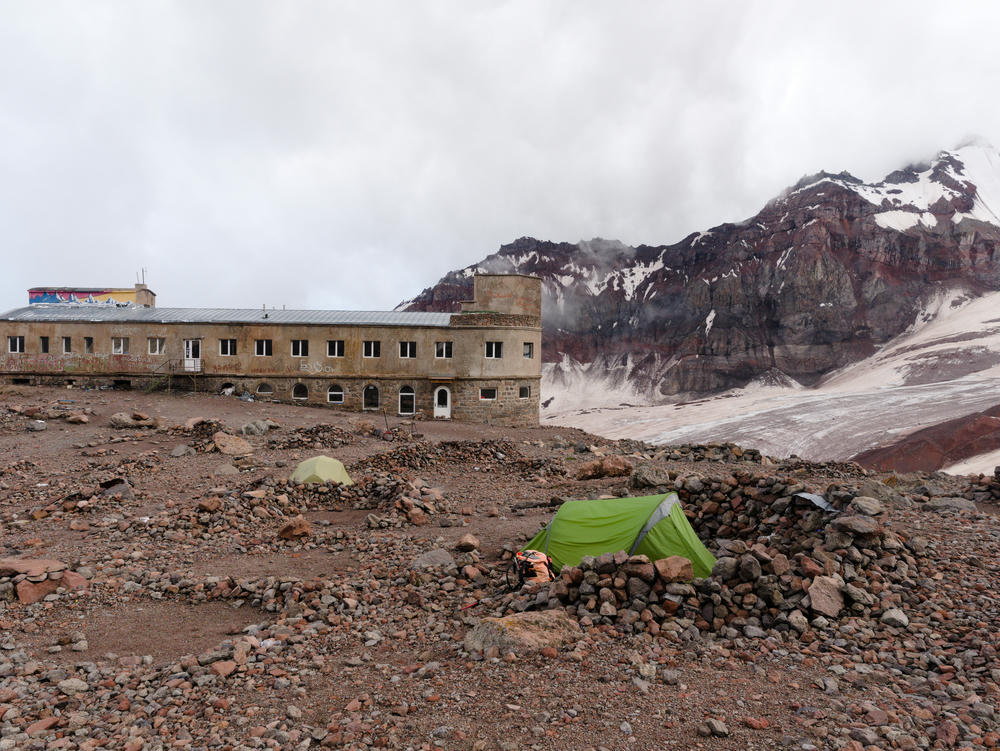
822 276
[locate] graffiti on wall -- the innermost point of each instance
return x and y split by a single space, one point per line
74 295
74 363
315 367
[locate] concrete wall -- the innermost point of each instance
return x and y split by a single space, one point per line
506 293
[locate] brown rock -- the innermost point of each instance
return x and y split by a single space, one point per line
416 517
825 595
36 728
210 505
947 733
222 668
297 527
29 566
78 419
467 543
780 564
674 569
608 466
29 592
809 567
72 580
231 445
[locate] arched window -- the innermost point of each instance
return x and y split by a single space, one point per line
407 401
265 388
335 394
300 391
370 397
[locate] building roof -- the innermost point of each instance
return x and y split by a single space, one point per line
139 314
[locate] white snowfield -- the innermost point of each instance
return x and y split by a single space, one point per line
946 366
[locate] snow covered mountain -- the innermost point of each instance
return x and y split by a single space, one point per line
823 276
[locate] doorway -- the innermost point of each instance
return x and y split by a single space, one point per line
192 355
442 403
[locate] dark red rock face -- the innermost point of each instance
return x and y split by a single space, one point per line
938 446
818 279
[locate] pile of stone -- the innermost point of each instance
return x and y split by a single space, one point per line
984 488
57 410
316 436
784 565
200 432
420 501
481 455
710 452
34 579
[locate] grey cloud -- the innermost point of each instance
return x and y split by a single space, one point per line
347 155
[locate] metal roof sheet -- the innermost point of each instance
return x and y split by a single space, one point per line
138 314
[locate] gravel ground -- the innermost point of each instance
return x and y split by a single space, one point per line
213 617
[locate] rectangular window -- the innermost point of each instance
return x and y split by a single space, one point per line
371 349
15 344
157 345
408 349
300 348
88 345
488 395
67 345
334 347
119 345
494 350
335 394
43 344
524 392
227 347
529 350
262 347
442 350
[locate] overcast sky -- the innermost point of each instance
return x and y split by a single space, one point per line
347 155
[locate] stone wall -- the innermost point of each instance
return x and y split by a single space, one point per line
508 409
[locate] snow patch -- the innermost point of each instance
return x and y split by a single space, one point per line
709 320
904 220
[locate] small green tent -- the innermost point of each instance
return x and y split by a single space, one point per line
321 469
653 525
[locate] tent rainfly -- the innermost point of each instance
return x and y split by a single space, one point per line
653 525
321 469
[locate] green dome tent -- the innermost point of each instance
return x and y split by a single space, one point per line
321 469
653 525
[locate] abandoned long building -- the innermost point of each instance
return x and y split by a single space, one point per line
481 364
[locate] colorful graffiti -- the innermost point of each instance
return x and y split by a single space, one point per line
122 296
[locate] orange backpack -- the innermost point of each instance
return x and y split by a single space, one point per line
533 566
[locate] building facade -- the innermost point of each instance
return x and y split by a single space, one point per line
482 364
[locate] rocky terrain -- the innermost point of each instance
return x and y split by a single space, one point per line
821 277
163 584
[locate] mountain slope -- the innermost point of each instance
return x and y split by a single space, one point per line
821 277
876 402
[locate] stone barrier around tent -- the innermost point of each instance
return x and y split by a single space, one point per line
784 566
